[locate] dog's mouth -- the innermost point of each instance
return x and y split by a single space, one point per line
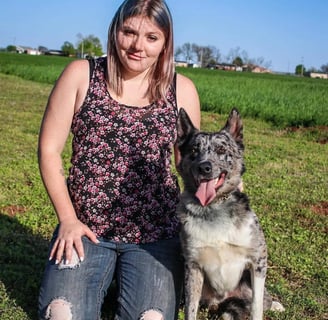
206 191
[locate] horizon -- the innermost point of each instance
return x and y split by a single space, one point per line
286 34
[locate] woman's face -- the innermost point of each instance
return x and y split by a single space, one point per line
140 42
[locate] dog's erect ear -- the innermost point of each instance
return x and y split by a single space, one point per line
234 126
185 127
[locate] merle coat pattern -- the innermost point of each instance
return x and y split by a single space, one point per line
223 244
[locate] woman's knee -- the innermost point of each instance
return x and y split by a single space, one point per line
152 314
59 309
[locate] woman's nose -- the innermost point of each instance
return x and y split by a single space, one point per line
137 43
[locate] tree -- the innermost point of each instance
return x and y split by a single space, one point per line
11 48
89 46
238 61
185 51
237 53
300 69
42 49
177 53
207 56
324 68
68 49
216 54
198 52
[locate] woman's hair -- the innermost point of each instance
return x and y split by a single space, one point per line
162 72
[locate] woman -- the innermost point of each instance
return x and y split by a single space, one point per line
116 211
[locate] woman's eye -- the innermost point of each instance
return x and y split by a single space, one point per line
128 32
152 38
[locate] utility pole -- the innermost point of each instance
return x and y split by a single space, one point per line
82 48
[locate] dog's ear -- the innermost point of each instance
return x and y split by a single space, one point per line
234 126
185 127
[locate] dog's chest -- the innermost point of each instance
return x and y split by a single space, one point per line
224 237
222 227
220 248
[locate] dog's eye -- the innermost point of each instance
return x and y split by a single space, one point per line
194 152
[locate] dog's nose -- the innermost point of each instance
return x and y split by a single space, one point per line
205 167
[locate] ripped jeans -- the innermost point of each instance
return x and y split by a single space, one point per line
149 279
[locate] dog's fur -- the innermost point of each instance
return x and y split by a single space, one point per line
223 244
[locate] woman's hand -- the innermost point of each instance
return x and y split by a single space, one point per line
69 237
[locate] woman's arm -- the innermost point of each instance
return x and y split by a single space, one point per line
188 99
64 100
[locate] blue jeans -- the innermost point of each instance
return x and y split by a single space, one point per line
148 277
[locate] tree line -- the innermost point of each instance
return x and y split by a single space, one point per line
86 46
210 55
206 56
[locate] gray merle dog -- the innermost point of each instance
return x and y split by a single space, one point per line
223 244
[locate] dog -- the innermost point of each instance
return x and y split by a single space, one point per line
222 241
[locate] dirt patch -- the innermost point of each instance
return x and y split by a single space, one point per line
13 210
320 208
319 133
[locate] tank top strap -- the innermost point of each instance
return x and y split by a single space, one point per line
92 64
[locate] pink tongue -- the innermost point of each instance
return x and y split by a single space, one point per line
206 191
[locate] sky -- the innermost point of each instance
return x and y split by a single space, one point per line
284 33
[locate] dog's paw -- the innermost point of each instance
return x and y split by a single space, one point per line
277 306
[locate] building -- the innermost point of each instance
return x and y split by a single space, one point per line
318 75
27 50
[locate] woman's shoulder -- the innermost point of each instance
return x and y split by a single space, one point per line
184 82
187 98
186 89
76 70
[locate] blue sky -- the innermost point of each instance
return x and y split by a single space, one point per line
283 32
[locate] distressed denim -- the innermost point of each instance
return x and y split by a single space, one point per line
148 277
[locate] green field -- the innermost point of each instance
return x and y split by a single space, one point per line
280 99
286 180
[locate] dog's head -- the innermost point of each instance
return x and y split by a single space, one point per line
211 163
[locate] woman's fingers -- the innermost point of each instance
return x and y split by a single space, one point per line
78 246
71 247
53 250
62 250
91 236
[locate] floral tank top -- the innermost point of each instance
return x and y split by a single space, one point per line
120 180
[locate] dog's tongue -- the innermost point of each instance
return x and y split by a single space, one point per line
206 191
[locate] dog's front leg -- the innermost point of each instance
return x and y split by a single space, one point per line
193 289
258 283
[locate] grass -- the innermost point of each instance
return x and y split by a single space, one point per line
286 180
44 69
279 99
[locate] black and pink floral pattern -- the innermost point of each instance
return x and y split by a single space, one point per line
120 180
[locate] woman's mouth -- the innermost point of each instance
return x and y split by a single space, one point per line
134 56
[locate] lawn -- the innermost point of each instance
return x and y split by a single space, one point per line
286 180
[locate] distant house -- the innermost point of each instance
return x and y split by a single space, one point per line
318 75
258 69
186 64
55 53
226 66
27 50
181 64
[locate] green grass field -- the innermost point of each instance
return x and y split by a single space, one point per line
281 100
286 180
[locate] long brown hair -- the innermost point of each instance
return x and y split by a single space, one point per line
162 73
